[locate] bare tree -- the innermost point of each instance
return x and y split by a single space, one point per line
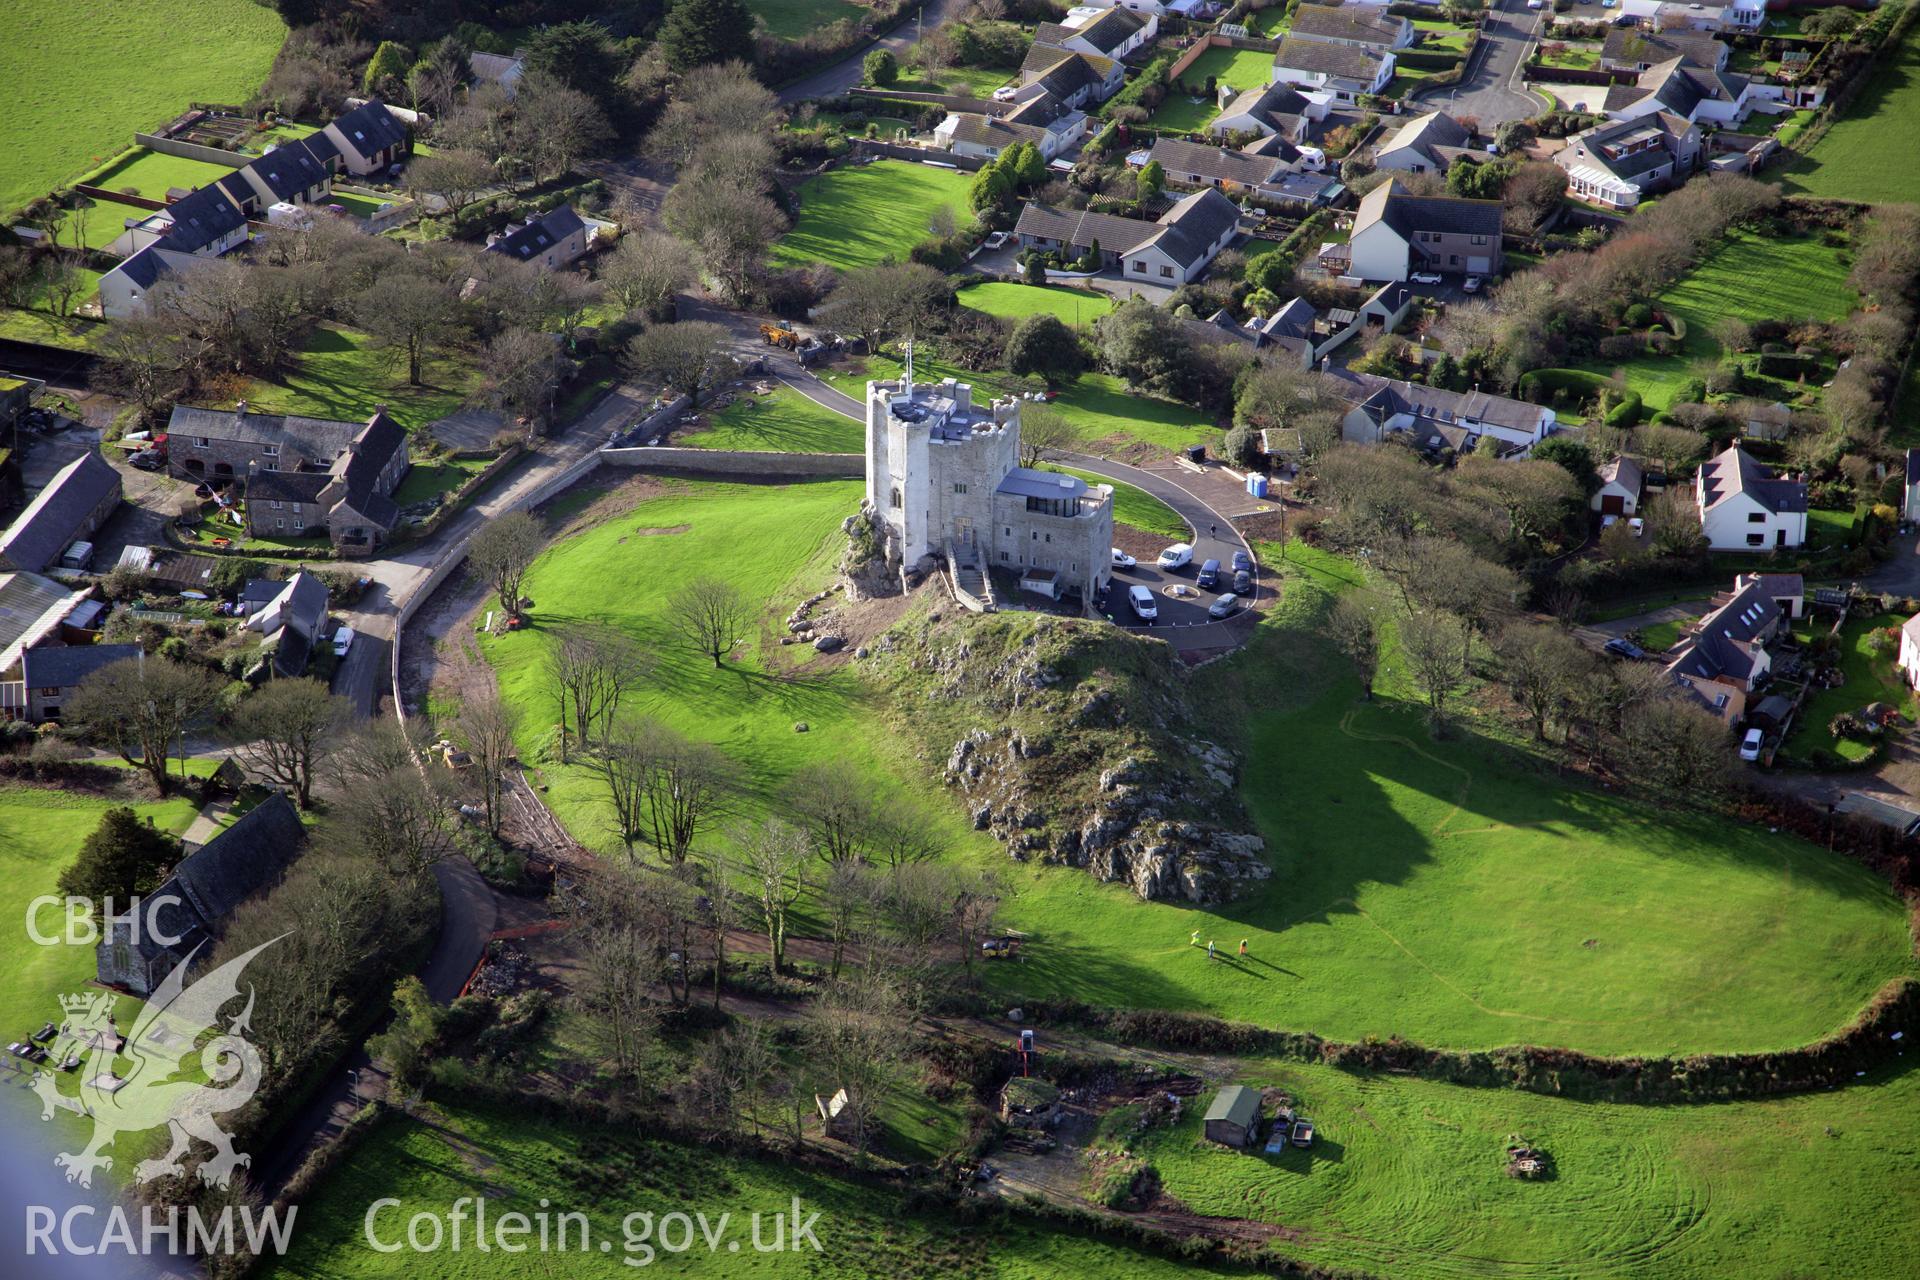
457 176
554 126
591 669
142 356
1350 626
836 807
732 226
141 707
711 102
664 788
846 896
690 357
887 301
722 916
1435 647
645 271
857 1034
976 911
619 965
712 616
776 855
400 813
486 724
502 552
287 730
1043 430
411 313
521 372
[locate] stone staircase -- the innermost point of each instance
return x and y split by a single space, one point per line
971 588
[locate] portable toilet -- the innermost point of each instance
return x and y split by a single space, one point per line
1256 484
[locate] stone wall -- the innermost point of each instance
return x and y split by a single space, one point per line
755 466
191 150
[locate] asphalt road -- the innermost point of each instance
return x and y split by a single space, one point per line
848 72
363 673
1493 93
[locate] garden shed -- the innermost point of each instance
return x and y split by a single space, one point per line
1233 1119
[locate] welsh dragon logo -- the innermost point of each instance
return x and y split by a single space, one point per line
147 1080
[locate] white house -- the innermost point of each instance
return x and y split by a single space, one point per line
1695 94
1171 251
1724 656
1106 33
1384 406
1343 70
1910 649
1351 25
552 241
1745 507
124 290
1396 234
1697 15
367 139
1425 144
1619 493
1617 163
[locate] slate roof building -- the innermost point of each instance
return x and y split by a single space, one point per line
552 240
52 673
1346 71
1270 110
192 905
1637 49
1690 92
1618 163
1426 144
1172 250
292 622
1349 24
74 504
1745 506
368 138
1383 406
1723 657
1396 234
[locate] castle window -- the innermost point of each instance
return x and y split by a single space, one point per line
894 498
959 487
1004 557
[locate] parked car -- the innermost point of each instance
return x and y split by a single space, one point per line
1751 744
997 239
1225 607
1471 284
1536 4
1621 647
1638 526
1242 583
148 460
1144 606
342 641
1242 562
1177 556
1121 560
1425 277
1209 574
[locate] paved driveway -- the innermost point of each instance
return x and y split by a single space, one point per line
1492 92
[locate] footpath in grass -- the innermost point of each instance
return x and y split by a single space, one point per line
1453 893
1407 1178
859 214
1852 161
607 1176
1750 277
82 82
1018 301
783 422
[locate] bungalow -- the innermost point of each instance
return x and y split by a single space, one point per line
1351 25
368 139
1194 164
1426 144
1621 482
292 173
1233 1117
191 906
125 290
73 505
1343 70
292 623
553 240
1697 15
1618 163
1745 507
1723 657
1171 251
1383 406
1693 93
502 69
1638 49
200 225
1105 33
1270 110
1396 234
49 675
1306 334
1076 80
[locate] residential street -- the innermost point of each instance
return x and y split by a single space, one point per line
1493 92
848 72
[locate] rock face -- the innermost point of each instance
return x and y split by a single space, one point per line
1077 747
870 565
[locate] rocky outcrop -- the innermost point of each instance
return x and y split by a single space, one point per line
1071 743
870 566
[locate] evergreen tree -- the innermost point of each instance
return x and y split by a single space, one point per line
698 32
123 857
1044 346
881 67
1152 180
387 69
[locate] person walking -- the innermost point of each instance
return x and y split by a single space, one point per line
1194 941
1213 530
1210 954
1243 948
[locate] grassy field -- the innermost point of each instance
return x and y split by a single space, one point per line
857 215
1850 162
1136 507
1098 405
978 82
82 83
430 479
520 1162
1749 277
343 375
1018 301
40 832
151 174
784 422
106 221
790 19
1869 679
1407 1178
1452 894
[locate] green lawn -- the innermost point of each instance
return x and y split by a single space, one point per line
40 832
1098 405
1869 679
430 479
859 214
151 174
1407 1179
790 19
1751 277
1270 21
979 82
1453 894
343 375
1851 162
784 422
1136 507
81 84
1235 68
520 1162
1018 301
1661 636
1442 37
